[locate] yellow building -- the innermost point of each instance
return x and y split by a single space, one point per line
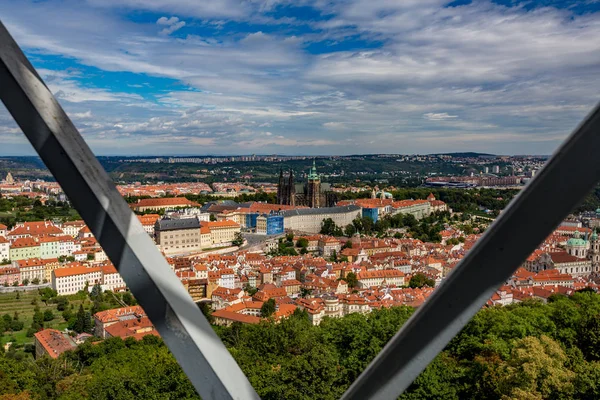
222 232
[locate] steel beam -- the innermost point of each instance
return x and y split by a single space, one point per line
568 176
189 336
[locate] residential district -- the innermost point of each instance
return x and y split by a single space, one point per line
239 257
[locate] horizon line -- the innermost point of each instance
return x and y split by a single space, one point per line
290 155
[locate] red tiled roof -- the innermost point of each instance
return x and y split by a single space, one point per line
573 229
136 328
109 269
30 262
148 219
54 342
408 203
36 229
115 313
78 223
62 272
220 224
563 257
384 273
24 242
236 317
165 202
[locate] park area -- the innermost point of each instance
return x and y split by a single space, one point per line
18 309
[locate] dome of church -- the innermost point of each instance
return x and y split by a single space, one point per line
576 242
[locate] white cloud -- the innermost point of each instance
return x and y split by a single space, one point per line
173 24
527 77
82 115
438 116
167 21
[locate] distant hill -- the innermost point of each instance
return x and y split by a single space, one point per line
465 154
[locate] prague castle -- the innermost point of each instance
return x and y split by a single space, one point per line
313 193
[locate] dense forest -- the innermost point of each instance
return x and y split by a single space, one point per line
523 351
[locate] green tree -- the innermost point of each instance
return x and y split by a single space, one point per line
48 315
128 299
349 230
302 242
268 308
238 239
536 369
351 279
38 319
328 227
46 294
16 325
419 280
83 321
334 256
61 303
96 292
589 338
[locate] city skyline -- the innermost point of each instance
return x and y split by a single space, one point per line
171 78
166 156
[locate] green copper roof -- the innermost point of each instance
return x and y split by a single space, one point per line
576 242
313 172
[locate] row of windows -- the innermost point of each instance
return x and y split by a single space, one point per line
78 278
172 242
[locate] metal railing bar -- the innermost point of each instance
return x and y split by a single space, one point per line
568 176
211 369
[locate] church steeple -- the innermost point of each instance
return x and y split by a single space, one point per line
292 189
280 187
312 175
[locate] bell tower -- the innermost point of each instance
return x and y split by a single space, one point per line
313 191
594 252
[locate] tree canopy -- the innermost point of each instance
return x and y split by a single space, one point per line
529 350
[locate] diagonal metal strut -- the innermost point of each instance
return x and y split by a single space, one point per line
189 336
568 176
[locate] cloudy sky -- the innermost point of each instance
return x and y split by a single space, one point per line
144 77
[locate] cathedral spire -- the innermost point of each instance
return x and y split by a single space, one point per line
313 172
292 189
280 187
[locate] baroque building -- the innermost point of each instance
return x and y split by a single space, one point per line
593 253
313 193
581 257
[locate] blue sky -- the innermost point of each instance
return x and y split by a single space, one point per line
151 77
